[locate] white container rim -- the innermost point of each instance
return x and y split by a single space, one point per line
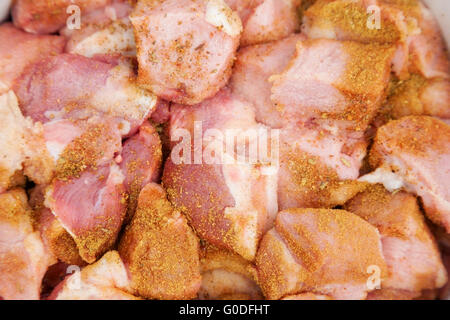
441 11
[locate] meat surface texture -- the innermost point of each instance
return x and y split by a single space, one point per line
71 86
313 250
266 20
252 70
418 96
42 16
229 200
407 25
227 276
224 150
333 80
185 48
106 30
13 143
106 279
318 167
411 252
160 250
141 163
23 257
19 49
415 151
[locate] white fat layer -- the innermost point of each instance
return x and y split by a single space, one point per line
314 32
98 280
391 181
12 131
116 38
221 16
115 178
55 149
238 179
121 97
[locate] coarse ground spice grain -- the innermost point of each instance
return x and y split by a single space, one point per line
350 21
404 97
365 81
199 192
83 152
312 183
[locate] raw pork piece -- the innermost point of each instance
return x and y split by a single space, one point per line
91 207
23 257
228 193
318 167
141 163
251 73
413 152
316 250
106 279
226 275
266 20
107 30
19 49
419 96
43 16
411 252
69 86
160 250
337 82
408 25
13 145
185 48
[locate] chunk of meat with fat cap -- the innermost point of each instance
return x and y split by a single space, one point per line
185 62
410 250
413 152
239 201
227 275
341 81
74 87
106 279
103 208
314 250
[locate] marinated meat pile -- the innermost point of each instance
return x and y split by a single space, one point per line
223 149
